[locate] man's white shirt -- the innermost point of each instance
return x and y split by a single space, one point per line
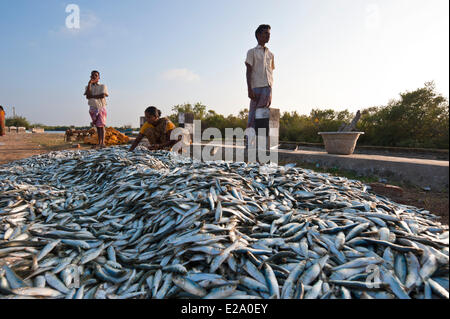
262 62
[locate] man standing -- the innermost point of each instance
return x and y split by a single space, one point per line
96 94
260 65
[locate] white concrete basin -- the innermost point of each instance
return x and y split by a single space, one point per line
341 143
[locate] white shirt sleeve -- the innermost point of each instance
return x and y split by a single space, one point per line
250 57
105 89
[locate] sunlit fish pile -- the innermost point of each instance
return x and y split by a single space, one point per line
117 225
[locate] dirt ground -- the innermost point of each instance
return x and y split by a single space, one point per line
436 203
18 146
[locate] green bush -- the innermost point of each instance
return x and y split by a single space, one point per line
17 121
418 119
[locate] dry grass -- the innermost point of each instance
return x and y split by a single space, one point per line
50 142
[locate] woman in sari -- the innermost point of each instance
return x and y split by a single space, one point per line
157 130
2 122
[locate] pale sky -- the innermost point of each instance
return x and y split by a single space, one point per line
339 54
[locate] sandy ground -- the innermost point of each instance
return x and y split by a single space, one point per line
18 146
437 203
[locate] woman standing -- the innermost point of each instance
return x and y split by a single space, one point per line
96 95
157 130
2 122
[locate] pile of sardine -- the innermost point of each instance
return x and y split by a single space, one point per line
116 225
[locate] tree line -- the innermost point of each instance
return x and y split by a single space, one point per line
418 119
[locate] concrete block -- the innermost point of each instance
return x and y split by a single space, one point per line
341 143
274 124
275 115
274 132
